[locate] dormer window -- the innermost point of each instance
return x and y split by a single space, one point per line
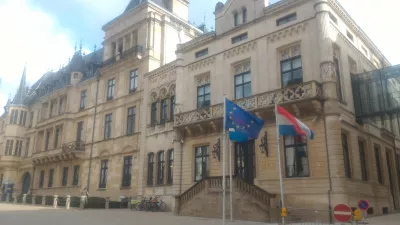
236 19
244 15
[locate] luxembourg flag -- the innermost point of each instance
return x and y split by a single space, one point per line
289 125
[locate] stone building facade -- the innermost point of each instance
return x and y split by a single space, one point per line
143 116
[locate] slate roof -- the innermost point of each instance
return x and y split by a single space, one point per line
51 81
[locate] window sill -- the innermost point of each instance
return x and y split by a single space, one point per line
125 187
343 102
102 189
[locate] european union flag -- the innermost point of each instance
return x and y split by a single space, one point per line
241 124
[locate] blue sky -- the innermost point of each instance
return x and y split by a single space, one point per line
42 33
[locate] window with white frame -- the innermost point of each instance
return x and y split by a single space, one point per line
242 80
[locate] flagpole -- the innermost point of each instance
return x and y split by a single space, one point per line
279 159
230 178
223 165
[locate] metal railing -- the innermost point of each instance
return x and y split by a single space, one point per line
138 49
73 146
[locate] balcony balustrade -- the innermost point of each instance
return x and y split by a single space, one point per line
68 151
136 50
302 92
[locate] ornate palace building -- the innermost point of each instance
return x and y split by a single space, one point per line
143 115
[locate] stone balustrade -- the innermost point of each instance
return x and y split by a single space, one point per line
302 92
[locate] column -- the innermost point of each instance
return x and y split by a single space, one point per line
331 106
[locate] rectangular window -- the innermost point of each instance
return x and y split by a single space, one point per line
378 164
172 108
103 173
150 169
127 172
31 114
107 126
56 137
14 116
27 147
163 111
239 38
242 81
130 124
286 19
60 106
79 132
51 109
47 141
201 53
133 81
22 118
75 180
201 163
349 35
41 179
170 166
203 96
338 76
65 176
153 116
110 89
296 156
346 155
364 50
291 71
236 19
51 175
18 148
363 160
82 104
244 15
333 18
160 168
9 147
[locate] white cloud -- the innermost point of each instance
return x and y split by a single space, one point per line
29 36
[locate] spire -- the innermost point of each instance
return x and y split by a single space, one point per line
21 92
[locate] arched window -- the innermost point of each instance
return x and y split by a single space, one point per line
160 167
170 166
236 18
244 15
150 169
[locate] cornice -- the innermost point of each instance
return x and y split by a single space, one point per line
335 5
281 5
161 70
200 40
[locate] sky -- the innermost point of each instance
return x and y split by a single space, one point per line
43 33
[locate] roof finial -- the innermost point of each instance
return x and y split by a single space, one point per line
95 48
204 21
80 46
75 47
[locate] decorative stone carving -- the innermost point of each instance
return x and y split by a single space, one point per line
328 71
241 49
163 93
158 129
290 31
203 79
200 64
154 97
172 90
290 52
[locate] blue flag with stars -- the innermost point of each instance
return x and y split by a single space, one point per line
241 124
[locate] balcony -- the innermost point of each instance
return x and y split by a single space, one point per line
377 93
134 51
68 151
260 103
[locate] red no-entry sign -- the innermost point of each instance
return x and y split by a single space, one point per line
342 213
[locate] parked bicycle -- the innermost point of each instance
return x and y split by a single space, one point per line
157 204
136 203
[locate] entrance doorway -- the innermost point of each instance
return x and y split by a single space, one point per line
245 161
26 183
